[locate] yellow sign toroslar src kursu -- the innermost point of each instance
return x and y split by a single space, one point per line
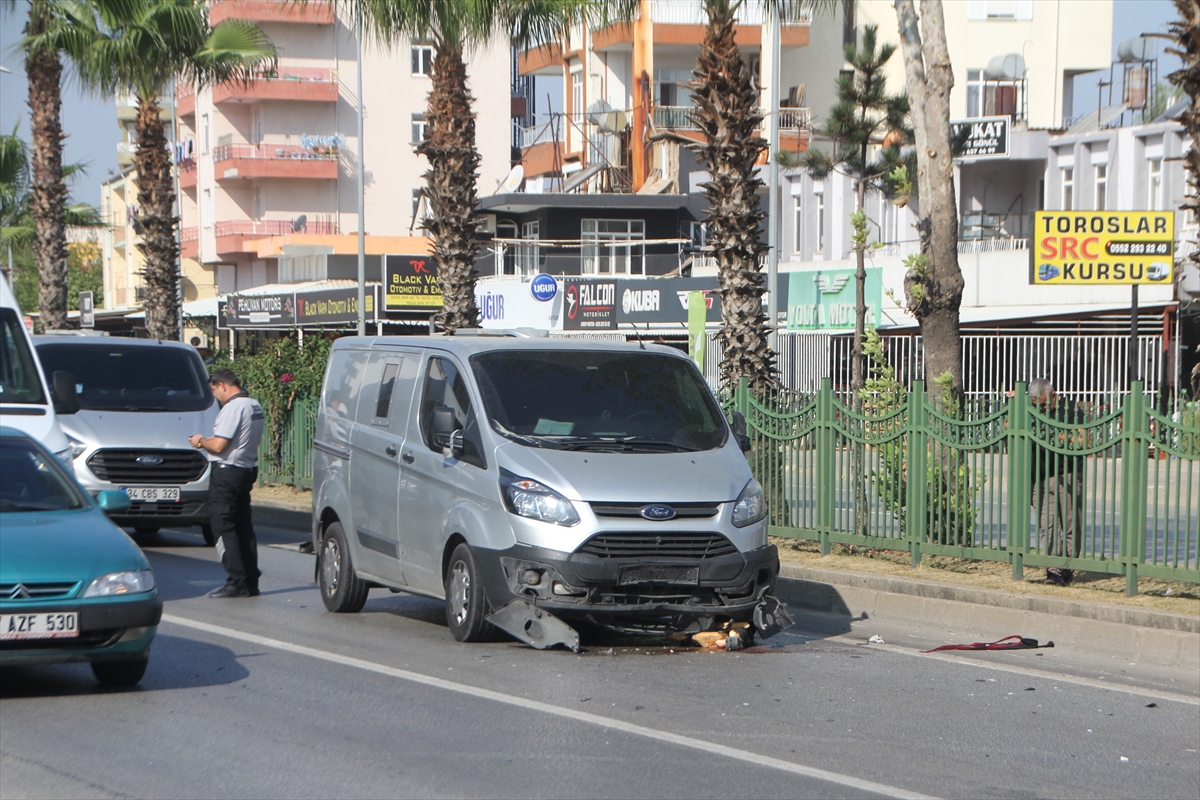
1102 247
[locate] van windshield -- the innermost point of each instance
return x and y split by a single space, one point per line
19 381
598 400
123 377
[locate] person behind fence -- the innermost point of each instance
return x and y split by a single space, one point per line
1058 488
233 449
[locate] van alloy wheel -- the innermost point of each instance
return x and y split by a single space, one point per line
331 566
460 592
466 603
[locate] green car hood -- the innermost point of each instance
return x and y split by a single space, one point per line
53 546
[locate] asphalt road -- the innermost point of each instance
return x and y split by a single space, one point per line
275 697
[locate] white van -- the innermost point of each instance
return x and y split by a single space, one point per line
530 483
25 402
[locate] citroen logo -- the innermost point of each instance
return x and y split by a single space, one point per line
18 592
149 461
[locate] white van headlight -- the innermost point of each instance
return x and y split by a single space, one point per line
750 506
528 498
77 447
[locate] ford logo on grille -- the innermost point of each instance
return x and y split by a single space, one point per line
658 513
149 461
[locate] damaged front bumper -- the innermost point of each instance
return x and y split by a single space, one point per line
635 595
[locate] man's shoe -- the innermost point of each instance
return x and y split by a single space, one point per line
1068 576
1055 575
229 591
253 592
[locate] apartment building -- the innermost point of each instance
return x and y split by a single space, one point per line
269 167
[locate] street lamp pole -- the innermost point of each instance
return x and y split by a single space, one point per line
775 98
362 197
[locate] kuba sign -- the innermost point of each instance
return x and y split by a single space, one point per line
1102 247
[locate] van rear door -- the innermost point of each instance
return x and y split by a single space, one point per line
375 466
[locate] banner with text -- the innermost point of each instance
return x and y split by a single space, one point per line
1073 248
335 306
411 283
824 299
589 304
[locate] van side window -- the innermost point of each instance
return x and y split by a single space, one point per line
444 386
386 385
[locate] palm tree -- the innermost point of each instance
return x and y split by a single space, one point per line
47 188
142 47
726 111
454 28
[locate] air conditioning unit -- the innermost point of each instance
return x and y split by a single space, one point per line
1189 281
139 293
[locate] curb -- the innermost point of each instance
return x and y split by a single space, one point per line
282 514
810 597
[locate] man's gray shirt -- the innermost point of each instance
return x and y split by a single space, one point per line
241 422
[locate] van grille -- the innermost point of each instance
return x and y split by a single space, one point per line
37 591
695 546
121 466
634 510
140 509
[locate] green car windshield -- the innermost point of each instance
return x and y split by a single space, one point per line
599 400
32 481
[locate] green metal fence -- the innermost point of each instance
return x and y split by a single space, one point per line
290 462
1000 481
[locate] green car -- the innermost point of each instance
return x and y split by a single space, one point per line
73 586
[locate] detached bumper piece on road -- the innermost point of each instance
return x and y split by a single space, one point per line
537 592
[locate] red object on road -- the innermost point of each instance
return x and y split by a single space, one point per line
1007 643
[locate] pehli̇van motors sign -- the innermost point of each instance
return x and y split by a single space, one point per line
411 283
1072 248
824 299
589 304
985 137
256 310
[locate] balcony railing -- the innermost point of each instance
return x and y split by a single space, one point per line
679 118
271 227
280 152
271 11
189 234
286 83
691 12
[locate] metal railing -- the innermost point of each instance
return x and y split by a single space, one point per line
292 461
270 227
281 152
1115 490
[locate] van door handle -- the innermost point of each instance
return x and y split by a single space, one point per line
391 451
408 457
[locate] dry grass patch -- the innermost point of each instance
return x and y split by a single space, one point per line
1173 596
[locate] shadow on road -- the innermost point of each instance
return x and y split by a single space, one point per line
175 663
180 576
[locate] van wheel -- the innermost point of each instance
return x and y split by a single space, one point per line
466 607
210 538
120 673
341 589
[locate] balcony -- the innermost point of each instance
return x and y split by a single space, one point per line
236 236
311 13
682 22
189 242
245 161
187 173
125 152
299 84
185 99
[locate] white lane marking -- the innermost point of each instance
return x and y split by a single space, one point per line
1160 694
546 708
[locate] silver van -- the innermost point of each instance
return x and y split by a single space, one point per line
128 407
533 482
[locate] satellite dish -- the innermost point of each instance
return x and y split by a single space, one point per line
1008 67
512 182
299 222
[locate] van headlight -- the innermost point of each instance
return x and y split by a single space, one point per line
114 583
750 506
533 500
77 447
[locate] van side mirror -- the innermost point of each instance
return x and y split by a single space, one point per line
62 386
739 431
446 433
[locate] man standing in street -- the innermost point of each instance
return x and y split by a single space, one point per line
233 449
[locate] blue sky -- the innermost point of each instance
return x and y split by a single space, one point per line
92 131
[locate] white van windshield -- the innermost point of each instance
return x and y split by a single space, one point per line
598 400
122 377
19 381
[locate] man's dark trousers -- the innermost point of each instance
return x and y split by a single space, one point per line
229 498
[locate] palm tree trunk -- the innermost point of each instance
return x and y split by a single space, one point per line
727 114
450 188
47 189
156 212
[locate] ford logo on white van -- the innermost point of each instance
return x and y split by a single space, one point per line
658 513
149 461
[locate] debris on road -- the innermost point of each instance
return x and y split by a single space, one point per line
1007 643
876 639
534 626
732 636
